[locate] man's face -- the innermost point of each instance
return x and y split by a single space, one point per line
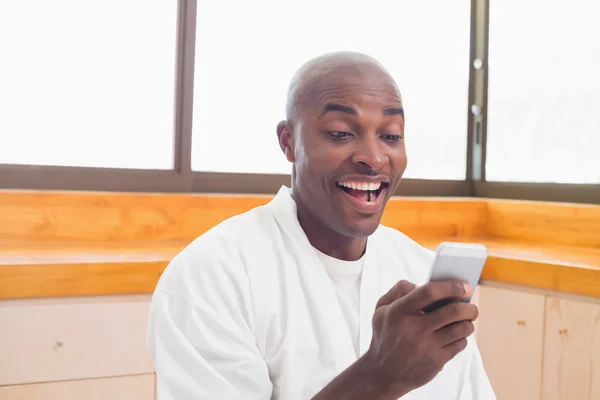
348 151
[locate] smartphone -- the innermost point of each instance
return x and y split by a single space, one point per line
462 261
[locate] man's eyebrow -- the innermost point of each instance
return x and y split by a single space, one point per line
391 111
329 107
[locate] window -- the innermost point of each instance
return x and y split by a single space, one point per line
88 83
245 59
544 92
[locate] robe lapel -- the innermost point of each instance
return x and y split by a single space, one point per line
325 307
369 292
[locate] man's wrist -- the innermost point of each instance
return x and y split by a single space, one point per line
362 381
377 386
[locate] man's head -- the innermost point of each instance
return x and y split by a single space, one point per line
344 134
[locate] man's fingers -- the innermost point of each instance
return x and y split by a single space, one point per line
454 348
451 313
454 332
431 292
400 289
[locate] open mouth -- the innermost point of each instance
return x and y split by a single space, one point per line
362 191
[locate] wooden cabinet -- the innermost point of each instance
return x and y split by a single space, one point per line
138 387
572 350
509 334
539 347
75 348
46 340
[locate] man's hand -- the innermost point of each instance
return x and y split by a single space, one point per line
409 348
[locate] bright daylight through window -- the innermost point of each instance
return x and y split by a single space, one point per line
543 123
243 66
88 83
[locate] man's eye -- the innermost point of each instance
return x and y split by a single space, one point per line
339 135
392 138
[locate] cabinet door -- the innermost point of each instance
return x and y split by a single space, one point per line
46 340
137 387
572 350
510 336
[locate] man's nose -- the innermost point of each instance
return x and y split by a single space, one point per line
371 153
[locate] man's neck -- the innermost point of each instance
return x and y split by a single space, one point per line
329 241
351 250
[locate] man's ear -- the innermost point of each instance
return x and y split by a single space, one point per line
286 141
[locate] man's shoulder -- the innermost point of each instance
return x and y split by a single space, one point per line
244 230
219 255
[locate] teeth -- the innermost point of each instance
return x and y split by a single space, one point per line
361 185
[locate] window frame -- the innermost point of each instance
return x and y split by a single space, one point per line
533 191
178 179
181 179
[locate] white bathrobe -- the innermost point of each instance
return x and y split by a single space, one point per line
248 311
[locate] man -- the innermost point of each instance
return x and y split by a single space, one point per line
309 296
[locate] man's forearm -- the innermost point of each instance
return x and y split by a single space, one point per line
358 382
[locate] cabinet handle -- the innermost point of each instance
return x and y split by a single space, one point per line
521 322
562 331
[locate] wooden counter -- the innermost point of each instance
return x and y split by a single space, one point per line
538 302
70 244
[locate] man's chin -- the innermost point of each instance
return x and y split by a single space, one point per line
362 227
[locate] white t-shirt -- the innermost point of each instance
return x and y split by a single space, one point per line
346 277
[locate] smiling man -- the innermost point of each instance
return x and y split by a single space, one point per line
309 296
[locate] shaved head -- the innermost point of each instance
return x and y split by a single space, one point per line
332 71
344 135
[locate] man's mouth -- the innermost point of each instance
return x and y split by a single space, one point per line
367 192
